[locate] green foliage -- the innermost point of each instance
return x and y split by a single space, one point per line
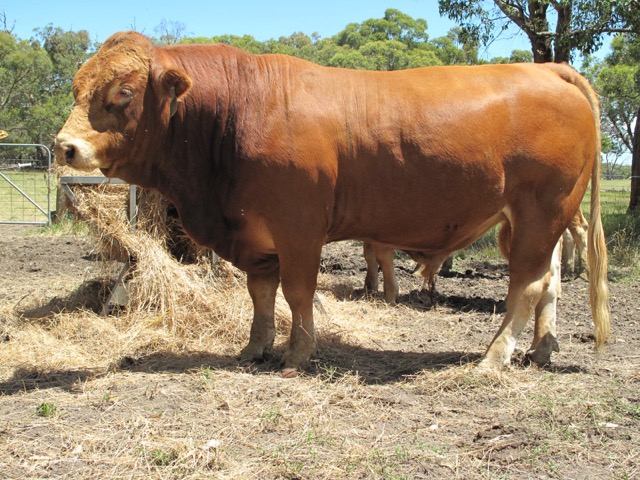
35 82
395 41
617 79
556 29
65 226
517 56
24 74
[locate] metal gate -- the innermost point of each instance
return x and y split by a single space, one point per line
25 184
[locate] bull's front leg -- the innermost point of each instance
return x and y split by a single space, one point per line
299 274
262 289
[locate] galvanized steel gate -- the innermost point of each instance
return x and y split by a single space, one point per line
25 184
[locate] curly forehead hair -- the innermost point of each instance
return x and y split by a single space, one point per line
121 53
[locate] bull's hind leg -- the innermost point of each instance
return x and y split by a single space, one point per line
520 301
262 289
530 252
545 337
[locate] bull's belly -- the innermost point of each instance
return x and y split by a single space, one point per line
427 237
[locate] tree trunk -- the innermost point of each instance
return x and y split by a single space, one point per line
634 201
538 28
541 48
562 44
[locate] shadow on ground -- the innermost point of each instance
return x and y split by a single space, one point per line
336 358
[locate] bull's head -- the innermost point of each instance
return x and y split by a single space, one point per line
106 128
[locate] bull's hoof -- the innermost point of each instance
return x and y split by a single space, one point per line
541 353
295 361
289 373
490 364
391 298
252 353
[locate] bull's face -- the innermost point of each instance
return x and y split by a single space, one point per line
125 85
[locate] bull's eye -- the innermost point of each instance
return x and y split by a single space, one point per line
121 98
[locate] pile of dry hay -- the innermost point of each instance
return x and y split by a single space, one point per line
178 283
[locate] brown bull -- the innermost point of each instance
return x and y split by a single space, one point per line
267 158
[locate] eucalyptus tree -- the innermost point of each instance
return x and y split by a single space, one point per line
556 29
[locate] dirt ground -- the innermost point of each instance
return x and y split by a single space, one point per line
392 393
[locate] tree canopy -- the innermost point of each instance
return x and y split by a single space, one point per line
35 82
395 41
555 28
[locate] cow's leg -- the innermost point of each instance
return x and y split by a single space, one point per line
530 253
299 275
371 280
379 256
384 256
578 228
262 288
568 255
545 338
447 266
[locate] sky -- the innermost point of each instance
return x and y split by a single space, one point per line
261 19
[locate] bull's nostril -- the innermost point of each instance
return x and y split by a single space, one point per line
69 153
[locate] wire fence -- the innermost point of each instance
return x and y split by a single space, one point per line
614 196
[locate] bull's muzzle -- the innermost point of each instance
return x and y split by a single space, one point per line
74 152
64 151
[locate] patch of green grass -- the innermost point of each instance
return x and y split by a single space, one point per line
162 457
46 410
485 248
66 226
386 465
272 417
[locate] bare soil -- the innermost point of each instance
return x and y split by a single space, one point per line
392 393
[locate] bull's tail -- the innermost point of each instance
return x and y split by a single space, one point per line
596 245
597 256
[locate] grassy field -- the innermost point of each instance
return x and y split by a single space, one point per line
614 197
621 229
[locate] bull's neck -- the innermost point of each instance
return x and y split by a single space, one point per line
223 113
202 146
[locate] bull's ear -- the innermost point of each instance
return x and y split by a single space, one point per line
175 84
